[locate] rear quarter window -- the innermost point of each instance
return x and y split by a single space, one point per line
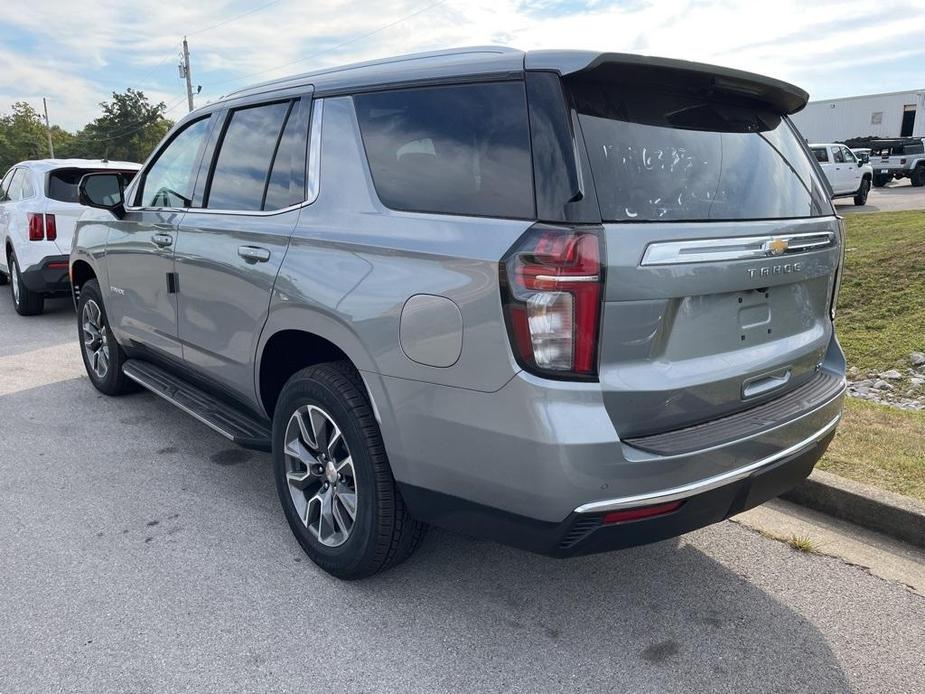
462 149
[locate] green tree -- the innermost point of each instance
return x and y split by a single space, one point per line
22 136
128 129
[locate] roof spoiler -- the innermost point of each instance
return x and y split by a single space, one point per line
781 97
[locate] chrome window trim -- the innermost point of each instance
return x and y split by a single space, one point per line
735 248
700 486
313 177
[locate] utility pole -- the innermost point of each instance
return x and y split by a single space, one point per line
185 72
51 147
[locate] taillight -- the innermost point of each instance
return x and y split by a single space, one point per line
552 284
51 227
36 227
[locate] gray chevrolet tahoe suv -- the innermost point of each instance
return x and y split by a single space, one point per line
569 301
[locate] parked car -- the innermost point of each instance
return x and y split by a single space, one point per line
899 158
38 209
468 305
847 175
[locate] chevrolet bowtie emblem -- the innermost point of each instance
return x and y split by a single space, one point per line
776 246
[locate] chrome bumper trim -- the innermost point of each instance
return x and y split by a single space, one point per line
704 485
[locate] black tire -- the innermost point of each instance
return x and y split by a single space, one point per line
918 177
383 533
880 180
25 301
3 278
863 191
113 381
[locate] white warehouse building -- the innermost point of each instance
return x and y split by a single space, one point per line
895 114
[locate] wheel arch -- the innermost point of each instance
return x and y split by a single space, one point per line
295 339
81 273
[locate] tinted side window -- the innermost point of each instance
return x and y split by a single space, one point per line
453 150
169 181
287 179
822 154
245 156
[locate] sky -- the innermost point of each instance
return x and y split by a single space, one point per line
77 54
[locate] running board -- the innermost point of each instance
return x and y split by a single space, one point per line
230 422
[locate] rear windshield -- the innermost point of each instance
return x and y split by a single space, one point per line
899 150
62 183
663 156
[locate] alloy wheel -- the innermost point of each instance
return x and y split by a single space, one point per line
95 338
320 475
14 280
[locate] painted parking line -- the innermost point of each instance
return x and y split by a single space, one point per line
40 367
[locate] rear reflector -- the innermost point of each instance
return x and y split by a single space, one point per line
36 227
640 512
51 228
60 265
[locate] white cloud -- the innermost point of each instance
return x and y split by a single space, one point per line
82 54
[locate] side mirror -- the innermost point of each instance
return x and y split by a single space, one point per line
860 163
105 191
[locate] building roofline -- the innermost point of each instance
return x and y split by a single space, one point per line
868 96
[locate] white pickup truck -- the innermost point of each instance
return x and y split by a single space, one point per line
900 158
847 175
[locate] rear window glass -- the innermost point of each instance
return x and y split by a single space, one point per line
245 157
663 156
62 183
455 150
899 150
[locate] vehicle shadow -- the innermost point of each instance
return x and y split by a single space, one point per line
180 535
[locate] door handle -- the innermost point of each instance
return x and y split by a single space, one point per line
254 254
162 240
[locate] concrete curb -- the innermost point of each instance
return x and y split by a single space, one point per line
898 516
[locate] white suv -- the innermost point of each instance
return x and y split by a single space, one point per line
848 175
38 209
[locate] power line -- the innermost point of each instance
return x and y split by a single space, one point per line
337 46
232 19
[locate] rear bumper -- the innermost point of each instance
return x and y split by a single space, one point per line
48 276
584 532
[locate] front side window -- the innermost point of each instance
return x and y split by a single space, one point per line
658 154
849 156
838 156
170 180
462 149
245 156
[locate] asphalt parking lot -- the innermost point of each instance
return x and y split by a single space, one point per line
893 197
140 552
